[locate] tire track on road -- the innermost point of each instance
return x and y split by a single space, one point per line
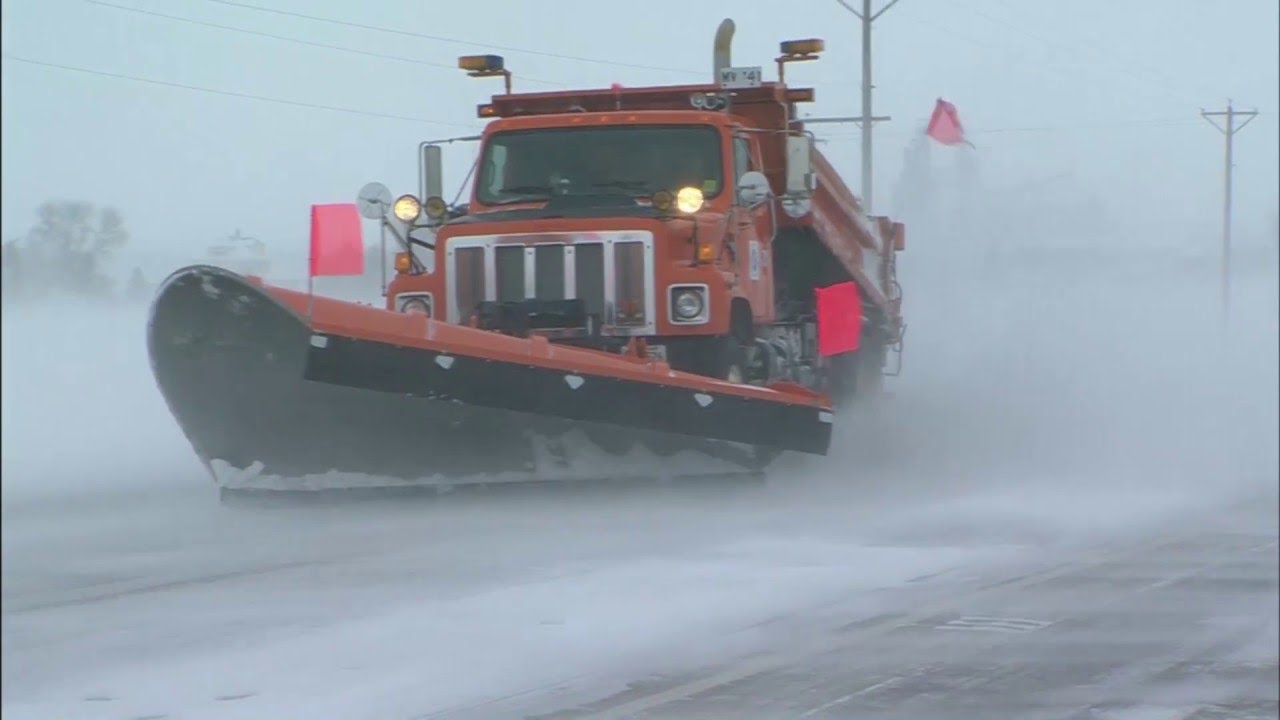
85 595
830 642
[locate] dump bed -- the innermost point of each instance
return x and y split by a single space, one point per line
863 244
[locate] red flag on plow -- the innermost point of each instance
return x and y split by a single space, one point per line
839 319
336 246
945 125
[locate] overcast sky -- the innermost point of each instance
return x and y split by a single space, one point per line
1105 93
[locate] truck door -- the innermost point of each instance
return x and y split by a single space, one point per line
752 230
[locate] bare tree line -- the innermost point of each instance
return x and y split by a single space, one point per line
66 253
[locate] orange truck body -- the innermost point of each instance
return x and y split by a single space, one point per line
740 253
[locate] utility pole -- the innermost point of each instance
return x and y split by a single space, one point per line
867 17
1230 132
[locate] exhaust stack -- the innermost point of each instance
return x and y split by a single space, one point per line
721 55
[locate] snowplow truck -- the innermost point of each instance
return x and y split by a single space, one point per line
631 288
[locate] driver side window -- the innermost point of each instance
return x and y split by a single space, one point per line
741 157
497 171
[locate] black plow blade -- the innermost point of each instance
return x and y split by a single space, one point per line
273 400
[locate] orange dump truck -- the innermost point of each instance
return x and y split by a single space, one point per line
630 289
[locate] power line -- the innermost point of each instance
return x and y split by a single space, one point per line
1141 124
296 103
1091 40
386 56
230 93
367 53
951 32
283 38
1144 82
439 38
1094 69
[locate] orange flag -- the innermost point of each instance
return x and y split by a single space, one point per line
839 319
336 246
945 125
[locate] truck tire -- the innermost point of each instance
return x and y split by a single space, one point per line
857 375
870 370
842 378
731 360
762 457
726 359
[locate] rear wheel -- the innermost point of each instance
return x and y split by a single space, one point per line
857 375
870 370
842 378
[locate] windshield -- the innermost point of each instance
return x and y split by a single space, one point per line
525 165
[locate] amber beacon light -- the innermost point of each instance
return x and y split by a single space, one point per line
486 66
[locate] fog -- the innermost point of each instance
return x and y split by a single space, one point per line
1068 379
1094 104
1037 408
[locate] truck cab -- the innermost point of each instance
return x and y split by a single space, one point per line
678 223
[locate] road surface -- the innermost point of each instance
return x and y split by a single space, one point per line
563 611
1179 624
1066 510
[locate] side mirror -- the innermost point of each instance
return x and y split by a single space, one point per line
800 180
753 188
431 172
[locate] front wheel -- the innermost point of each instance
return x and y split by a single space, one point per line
723 358
762 457
732 363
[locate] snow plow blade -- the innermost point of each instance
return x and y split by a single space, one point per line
279 390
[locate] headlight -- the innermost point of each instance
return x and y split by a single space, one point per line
689 200
407 208
688 304
436 208
417 305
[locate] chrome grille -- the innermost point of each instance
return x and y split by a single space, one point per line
588 277
612 272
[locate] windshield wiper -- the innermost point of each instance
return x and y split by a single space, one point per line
545 190
538 192
624 184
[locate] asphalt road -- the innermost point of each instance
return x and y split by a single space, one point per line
1044 522
1179 624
